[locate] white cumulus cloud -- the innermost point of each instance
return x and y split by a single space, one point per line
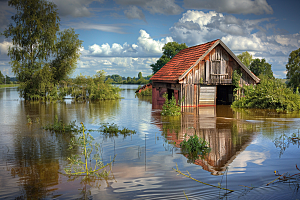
146 46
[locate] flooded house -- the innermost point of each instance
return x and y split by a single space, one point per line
200 76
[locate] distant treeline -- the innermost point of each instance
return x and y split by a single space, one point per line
7 80
117 79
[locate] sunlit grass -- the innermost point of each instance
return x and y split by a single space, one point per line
9 85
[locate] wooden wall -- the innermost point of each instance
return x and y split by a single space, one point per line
215 69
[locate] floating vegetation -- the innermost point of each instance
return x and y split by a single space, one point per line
29 120
60 127
188 175
194 147
81 165
283 141
170 107
285 177
112 130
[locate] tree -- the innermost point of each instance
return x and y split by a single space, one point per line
261 67
169 51
245 58
140 75
1 78
293 69
41 56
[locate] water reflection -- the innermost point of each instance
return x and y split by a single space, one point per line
226 135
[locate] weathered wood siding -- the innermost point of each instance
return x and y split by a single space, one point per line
215 69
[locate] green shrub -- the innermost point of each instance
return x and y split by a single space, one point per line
112 130
269 94
194 147
147 92
60 127
170 107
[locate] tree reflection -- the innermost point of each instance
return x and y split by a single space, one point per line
36 162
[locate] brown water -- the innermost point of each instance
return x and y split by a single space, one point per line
246 148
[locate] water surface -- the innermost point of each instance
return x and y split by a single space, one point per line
246 147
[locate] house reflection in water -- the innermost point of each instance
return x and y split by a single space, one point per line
219 126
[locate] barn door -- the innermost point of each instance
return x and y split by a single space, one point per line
207 95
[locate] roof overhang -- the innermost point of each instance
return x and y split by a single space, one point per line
255 78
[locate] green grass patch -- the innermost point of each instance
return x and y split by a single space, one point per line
9 85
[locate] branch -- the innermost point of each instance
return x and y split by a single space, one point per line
189 176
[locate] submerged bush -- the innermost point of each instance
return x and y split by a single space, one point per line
269 94
170 107
90 88
112 130
59 126
146 92
194 147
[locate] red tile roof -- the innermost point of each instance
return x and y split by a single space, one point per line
181 62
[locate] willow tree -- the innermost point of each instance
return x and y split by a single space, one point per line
41 55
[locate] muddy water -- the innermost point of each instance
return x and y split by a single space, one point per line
246 147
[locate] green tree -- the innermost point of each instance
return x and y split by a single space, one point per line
1 78
41 55
245 58
261 67
169 51
293 69
140 75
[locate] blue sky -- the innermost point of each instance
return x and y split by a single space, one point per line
125 36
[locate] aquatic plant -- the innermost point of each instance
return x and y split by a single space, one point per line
170 107
283 141
59 126
112 130
29 120
80 164
188 175
194 147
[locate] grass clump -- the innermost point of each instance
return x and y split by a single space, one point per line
60 127
170 107
112 130
195 147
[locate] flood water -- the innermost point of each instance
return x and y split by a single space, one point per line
246 147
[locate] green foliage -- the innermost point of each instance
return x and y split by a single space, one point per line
41 55
1 78
140 75
146 92
169 51
60 127
80 165
236 77
261 68
293 69
195 147
112 130
92 88
245 58
170 107
269 94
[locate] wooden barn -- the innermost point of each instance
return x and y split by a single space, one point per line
200 76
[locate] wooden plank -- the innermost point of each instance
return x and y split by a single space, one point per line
207 95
